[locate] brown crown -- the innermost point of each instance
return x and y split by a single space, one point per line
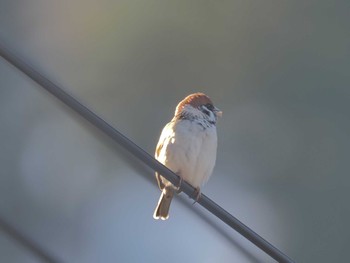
195 100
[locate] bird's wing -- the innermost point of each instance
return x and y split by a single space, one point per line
158 177
164 139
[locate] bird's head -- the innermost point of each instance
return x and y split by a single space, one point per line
198 106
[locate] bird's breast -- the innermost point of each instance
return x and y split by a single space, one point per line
193 151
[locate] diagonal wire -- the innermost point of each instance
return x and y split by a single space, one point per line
142 155
28 243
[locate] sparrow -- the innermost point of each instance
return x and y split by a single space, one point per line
187 146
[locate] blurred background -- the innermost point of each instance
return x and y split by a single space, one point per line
279 70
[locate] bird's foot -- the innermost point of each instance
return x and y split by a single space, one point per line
178 187
197 195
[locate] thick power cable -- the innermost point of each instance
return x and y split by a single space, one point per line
141 154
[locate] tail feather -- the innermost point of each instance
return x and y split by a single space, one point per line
162 209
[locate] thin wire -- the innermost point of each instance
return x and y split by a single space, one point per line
138 152
26 242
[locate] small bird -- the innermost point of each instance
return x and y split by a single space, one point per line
187 146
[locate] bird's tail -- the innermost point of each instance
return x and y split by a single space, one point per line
162 209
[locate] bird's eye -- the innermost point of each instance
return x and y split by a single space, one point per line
209 106
207 109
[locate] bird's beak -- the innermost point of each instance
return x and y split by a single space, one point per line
217 112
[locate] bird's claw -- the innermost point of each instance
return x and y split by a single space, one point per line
197 195
178 187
